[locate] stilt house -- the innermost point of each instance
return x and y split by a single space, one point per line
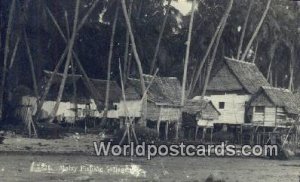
198 114
232 87
75 103
163 101
274 107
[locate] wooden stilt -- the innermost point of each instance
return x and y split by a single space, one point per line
203 134
28 121
121 123
124 135
241 134
296 137
85 127
196 133
134 135
158 126
251 138
128 134
211 135
264 132
167 129
178 125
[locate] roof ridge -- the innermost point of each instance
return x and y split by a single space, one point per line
276 88
239 61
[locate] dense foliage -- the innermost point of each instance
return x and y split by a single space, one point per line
278 39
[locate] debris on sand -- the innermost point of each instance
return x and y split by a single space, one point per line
214 178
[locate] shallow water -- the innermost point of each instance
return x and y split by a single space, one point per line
15 167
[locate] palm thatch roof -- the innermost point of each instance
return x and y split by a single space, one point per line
83 94
194 106
162 91
115 92
278 97
238 75
199 110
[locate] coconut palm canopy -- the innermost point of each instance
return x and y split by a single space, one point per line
47 25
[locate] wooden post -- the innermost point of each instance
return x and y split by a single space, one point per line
196 133
203 134
211 135
121 123
158 126
252 136
178 125
264 135
242 135
167 129
296 137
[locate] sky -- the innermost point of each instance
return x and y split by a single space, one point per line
182 5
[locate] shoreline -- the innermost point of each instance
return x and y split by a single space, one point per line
71 146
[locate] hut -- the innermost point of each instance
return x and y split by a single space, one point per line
75 103
273 107
163 103
231 89
199 114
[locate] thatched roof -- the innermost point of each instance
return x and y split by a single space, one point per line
193 106
115 92
279 97
297 96
238 75
163 90
203 109
83 94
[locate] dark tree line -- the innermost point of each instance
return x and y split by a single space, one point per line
274 49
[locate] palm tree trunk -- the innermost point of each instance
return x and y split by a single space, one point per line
292 61
35 87
210 64
6 52
134 49
187 55
185 69
271 54
137 59
126 63
160 37
199 71
49 83
255 52
244 30
12 60
256 31
110 54
69 57
74 99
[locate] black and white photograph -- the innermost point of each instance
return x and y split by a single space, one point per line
149 90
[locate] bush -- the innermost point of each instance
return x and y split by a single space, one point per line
49 130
